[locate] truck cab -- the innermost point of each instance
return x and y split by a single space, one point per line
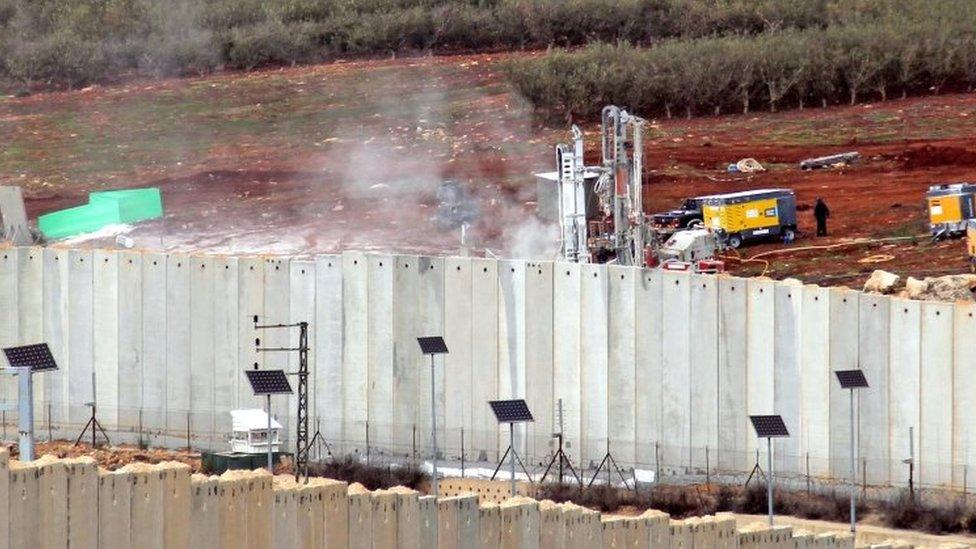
670 221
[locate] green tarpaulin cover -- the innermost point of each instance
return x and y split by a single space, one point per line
103 208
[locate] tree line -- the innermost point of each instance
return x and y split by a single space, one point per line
69 43
913 53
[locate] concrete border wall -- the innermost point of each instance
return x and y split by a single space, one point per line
662 367
70 503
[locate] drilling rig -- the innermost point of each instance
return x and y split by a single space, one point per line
599 208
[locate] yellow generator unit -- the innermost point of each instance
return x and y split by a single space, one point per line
950 206
751 215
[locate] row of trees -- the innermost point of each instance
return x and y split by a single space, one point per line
772 70
74 42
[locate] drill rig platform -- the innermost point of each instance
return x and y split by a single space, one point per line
599 208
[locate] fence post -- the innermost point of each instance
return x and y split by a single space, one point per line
187 431
462 452
965 473
708 476
367 442
657 462
50 436
142 442
808 472
414 443
864 477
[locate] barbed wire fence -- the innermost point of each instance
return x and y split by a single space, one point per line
476 453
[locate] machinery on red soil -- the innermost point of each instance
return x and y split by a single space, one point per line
599 208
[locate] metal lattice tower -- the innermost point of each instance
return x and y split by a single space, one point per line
302 445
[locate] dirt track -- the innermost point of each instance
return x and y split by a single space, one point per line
345 156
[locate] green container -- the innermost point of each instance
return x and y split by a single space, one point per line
134 204
103 208
78 220
215 463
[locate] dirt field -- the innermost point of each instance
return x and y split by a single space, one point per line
349 156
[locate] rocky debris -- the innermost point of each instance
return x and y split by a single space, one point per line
944 288
881 282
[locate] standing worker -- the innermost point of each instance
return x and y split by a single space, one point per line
821 212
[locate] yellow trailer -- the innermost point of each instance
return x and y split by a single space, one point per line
950 207
751 215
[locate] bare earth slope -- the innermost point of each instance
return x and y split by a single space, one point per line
349 156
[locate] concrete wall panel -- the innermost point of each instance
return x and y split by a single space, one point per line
703 368
105 329
56 330
815 378
566 331
30 303
277 303
379 341
226 342
114 508
787 375
204 517
511 342
734 431
964 394
843 356
250 302
407 391
903 386
873 352
130 350
301 308
178 340
649 365
458 335
82 502
80 333
202 302
52 502
622 359
676 378
355 350
154 347
935 406
594 357
539 355
431 322
484 355
9 322
326 404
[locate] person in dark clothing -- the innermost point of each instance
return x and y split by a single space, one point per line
821 212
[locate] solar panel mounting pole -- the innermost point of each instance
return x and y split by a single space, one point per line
25 360
852 380
769 427
511 462
769 485
25 413
268 439
433 422
433 345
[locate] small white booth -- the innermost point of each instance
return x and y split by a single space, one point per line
250 434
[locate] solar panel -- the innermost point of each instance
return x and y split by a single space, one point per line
769 426
511 411
851 379
268 382
432 345
36 357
